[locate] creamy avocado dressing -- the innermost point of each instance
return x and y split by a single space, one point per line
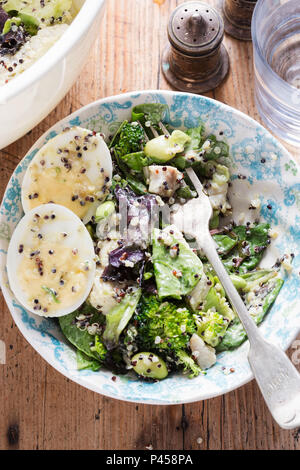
62 176
28 29
52 273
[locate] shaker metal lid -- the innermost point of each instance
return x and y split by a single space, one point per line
195 28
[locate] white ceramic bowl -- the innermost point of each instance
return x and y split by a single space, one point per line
277 183
30 97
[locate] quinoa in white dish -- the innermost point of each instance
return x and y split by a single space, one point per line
28 29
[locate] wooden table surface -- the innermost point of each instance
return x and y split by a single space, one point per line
39 408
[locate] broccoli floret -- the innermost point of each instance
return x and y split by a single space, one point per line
166 329
164 326
211 327
188 363
131 139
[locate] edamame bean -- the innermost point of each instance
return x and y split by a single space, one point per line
150 365
148 276
238 282
104 211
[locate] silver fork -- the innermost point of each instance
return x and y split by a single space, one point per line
278 379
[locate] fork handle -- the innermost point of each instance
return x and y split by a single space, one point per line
208 246
277 378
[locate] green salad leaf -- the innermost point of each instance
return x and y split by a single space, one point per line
196 134
80 338
177 268
136 161
85 362
136 185
249 249
118 318
225 243
149 112
264 295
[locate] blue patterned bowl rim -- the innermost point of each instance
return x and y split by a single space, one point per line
277 184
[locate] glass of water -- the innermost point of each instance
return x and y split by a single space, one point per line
276 43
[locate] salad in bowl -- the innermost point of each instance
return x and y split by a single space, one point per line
42 42
27 31
97 255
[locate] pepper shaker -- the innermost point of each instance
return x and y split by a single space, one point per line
195 60
237 16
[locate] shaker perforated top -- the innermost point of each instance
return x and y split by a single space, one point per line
195 28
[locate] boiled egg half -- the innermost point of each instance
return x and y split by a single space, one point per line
50 261
74 169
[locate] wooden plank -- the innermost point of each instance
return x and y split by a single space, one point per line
39 408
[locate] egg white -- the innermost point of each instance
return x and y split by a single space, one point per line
97 157
77 238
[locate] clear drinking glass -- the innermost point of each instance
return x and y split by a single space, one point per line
276 43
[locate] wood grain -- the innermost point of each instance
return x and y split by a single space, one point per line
39 408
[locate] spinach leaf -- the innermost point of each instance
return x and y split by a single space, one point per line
84 362
137 186
80 338
225 243
247 253
149 112
196 135
175 275
136 161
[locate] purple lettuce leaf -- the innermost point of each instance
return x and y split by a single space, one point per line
132 254
117 269
12 41
3 18
127 263
142 208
